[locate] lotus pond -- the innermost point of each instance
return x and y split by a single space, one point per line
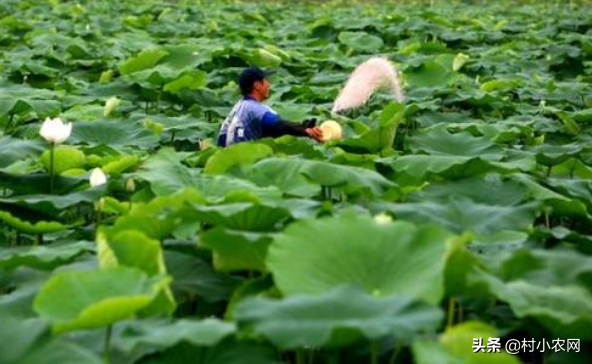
463 213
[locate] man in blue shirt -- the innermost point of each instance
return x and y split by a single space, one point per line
249 119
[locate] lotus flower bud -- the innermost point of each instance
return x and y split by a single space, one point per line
383 219
55 131
130 185
101 204
97 177
204 144
331 130
111 104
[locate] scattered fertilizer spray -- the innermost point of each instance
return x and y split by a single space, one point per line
373 74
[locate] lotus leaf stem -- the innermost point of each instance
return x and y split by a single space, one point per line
451 307
51 166
299 356
374 351
547 222
396 352
9 124
107 347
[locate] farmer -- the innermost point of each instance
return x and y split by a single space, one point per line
249 119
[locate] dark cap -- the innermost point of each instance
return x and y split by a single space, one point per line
248 78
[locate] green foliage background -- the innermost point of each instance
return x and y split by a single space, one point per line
463 213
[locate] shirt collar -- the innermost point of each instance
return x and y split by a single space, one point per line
249 98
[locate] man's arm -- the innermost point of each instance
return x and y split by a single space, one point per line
274 126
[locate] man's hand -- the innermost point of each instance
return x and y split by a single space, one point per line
309 123
315 133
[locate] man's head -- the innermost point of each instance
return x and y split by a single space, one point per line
253 82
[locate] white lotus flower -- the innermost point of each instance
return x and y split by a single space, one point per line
331 130
111 104
97 177
55 131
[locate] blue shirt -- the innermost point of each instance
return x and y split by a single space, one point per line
246 121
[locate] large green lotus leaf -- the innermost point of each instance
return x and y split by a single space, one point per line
491 189
553 287
558 202
577 167
582 242
61 351
42 257
17 99
291 145
194 276
95 298
430 352
430 74
157 76
121 164
89 112
154 226
499 85
242 216
576 188
180 123
39 227
236 250
183 56
380 138
415 169
551 155
460 263
237 155
547 268
361 41
102 91
454 339
299 208
163 334
262 58
285 175
477 98
566 310
114 133
228 351
452 346
166 173
28 343
132 248
65 157
159 217
295 176
295 112
145 59
21 332
367 161
14 150
336 318
188 80
440 142
462 214
55 204
383 258
20 286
